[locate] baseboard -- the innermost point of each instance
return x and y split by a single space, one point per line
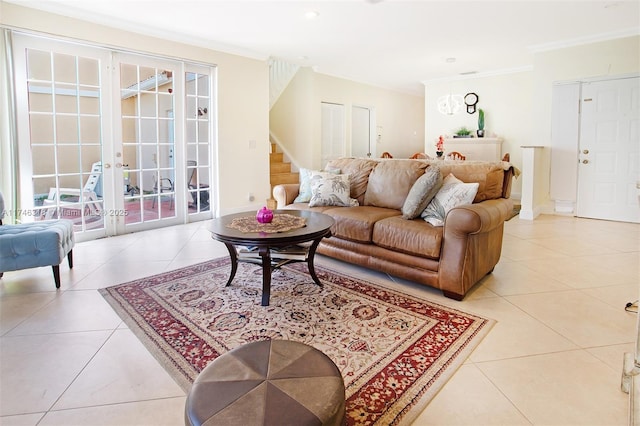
564 207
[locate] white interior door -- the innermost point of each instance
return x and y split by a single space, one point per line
362 141
609 171
333 132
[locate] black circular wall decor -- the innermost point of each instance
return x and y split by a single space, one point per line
471 99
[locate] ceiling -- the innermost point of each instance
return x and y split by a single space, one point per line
393 44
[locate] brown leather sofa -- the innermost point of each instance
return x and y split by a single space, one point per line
453 257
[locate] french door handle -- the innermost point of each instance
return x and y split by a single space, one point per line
118 165
107 165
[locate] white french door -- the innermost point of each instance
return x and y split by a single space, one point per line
609 157
106 138
150 115
61 114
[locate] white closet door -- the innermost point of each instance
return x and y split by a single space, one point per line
333 132
362 143
565 126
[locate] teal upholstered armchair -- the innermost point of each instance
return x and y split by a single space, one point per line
31 245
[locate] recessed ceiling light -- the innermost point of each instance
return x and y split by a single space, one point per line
312 14
450 60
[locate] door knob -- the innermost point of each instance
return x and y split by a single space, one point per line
585 161
107 166
118 165
585 151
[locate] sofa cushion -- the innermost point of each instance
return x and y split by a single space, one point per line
330 191
453 193
358 170
391 181
415 237
489 175
356 223
422 192
304 193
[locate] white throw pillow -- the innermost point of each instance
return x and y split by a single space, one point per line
330 191
453 193
304 193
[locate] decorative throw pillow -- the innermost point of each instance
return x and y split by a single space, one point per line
453 193
330 191
422 192
304 193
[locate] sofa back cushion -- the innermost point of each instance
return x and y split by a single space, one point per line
358 170
390 182
489 175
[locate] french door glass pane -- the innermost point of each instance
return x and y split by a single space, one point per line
65 137
197 143
147 103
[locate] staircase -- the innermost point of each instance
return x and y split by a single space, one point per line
280 74
280 171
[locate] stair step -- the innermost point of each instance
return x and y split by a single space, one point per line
280 167
276 157
280 178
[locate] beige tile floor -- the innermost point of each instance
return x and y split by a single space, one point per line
554 356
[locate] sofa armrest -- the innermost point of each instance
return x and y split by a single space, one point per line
507 182
472 244
285 193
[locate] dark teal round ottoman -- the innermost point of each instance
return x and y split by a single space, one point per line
271 382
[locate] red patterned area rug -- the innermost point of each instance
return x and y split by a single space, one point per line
395 350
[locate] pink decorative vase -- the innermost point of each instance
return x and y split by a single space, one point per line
264 215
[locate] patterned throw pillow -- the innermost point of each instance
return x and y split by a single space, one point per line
304 193
330 191
422 192
453 193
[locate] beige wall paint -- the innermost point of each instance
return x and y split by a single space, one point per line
518 105
597 60
506 101
296 118
242 98
290 120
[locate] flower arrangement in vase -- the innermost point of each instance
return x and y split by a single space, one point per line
440 146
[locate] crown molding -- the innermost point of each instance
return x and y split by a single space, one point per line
594 38
137 28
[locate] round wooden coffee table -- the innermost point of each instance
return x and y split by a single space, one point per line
272 250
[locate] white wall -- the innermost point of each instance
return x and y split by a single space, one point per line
518 105
242 98
606 58
295 118
506 101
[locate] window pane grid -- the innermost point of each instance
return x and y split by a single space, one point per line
61 111
197 123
